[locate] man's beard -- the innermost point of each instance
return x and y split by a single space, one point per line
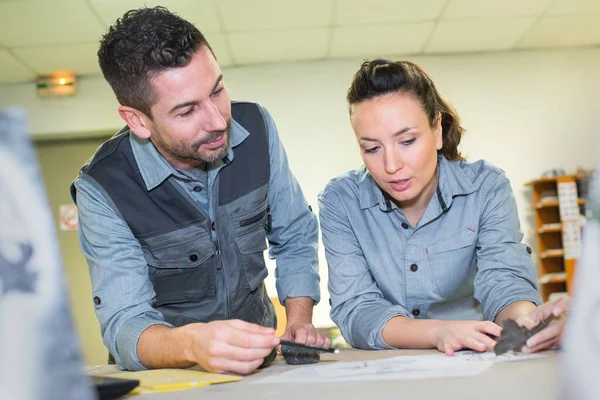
191 151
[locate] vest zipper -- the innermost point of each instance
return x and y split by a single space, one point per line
220 265
224 276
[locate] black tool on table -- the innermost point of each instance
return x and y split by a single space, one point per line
298 353
108 388
514 336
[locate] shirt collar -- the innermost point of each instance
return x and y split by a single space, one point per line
369 192
452 182
155 169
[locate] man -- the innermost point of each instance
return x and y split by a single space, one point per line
175 208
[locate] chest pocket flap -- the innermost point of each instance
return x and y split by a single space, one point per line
464 238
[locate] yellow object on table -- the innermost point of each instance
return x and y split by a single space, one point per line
167 380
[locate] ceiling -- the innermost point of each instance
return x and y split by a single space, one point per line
40 37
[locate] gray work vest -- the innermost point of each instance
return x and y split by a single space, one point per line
175 234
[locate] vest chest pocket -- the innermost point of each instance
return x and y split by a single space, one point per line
452 261
182 272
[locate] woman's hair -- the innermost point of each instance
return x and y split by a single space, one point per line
381 77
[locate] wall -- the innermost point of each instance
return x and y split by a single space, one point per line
60 161
526 112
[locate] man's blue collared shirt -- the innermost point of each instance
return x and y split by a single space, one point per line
117 267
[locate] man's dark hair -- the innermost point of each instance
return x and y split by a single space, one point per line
141 44
380 77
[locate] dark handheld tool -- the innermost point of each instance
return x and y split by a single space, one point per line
514 336
298 353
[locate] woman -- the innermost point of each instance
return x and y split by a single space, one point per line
424 249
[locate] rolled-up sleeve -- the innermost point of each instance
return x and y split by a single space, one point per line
357 304
505 270
293 239
121 289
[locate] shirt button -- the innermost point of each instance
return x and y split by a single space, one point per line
529 250
197 188
416 312
405 225
414 267
193 257
97 300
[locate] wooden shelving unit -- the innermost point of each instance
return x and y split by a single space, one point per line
554 227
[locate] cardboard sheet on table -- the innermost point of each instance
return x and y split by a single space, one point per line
167 380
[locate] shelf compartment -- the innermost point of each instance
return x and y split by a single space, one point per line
553 277
552 253
552 287
551 265
557 295
554 227
553 179
549 242
547 215
555 203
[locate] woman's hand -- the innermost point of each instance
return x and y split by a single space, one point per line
549 337
452 336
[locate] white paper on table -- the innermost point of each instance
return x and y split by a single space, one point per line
462 364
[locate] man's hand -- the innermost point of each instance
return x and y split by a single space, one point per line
307 334
549 337
229 346
299 326
452 336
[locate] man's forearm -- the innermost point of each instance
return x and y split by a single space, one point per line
514 311
160 346
299 310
